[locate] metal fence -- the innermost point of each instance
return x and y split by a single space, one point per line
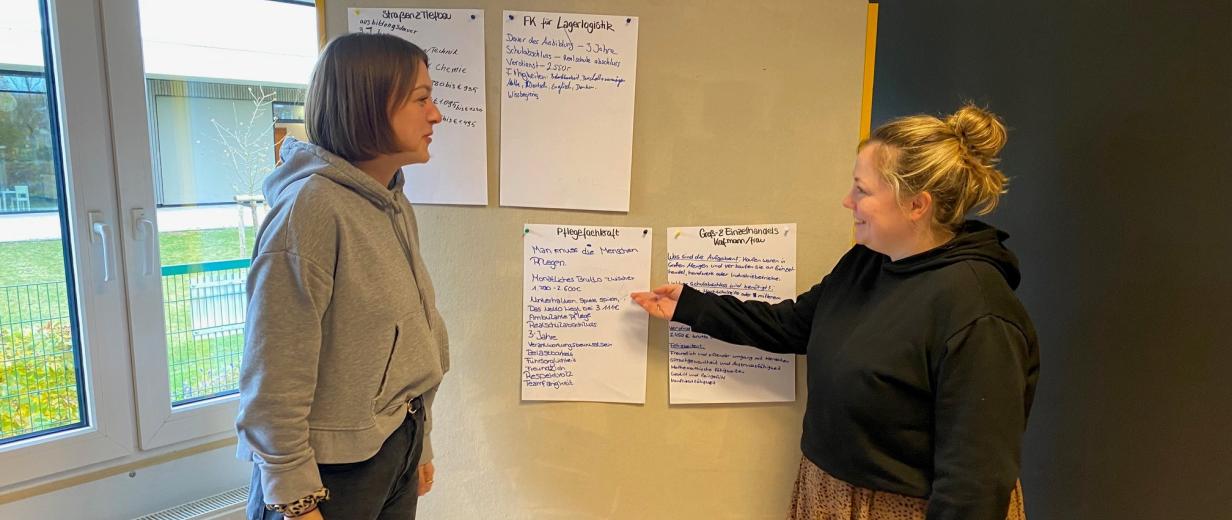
204 305
38 368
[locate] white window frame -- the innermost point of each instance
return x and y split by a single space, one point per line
105 150
89 179
159 423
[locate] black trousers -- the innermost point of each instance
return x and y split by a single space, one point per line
384 487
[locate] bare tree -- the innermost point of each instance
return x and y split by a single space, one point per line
247 146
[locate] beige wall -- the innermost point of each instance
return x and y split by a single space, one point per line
747 112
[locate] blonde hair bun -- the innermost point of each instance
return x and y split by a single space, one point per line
954 159
981 132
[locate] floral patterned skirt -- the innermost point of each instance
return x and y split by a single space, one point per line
819 496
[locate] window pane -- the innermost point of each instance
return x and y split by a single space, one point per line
40 356
222 92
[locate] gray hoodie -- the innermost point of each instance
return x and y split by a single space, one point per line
342 329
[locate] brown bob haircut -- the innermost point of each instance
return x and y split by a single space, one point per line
358 81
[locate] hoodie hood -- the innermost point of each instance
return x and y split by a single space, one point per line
975 241
301 160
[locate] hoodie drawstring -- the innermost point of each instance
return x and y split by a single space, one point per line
394 212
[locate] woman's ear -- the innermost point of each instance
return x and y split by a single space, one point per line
920 205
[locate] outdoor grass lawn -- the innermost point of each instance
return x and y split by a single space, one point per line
38 261
37 377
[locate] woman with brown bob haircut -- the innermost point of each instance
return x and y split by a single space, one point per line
344 347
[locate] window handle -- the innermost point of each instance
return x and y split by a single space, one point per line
143 229
101 233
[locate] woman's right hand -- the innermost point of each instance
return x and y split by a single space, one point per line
660 302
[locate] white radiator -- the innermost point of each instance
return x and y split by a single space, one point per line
228 505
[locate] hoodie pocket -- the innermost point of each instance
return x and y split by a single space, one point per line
389 363
403 367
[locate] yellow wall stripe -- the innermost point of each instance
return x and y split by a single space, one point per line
322 36
870 59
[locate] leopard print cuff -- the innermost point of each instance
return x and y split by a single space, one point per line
301 506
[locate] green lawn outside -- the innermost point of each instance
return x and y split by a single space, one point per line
37 373
42 260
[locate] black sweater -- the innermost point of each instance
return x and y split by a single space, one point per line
920 372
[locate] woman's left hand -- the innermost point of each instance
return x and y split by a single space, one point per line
427 472
661 301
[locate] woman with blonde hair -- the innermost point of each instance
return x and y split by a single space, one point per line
922 363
